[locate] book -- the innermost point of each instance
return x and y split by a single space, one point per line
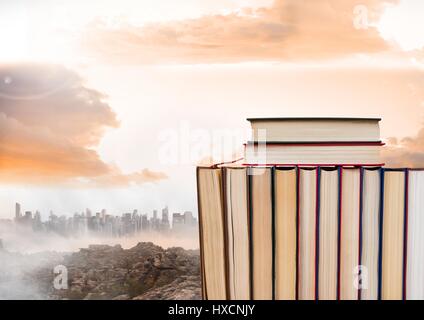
311 214
349 234
370 232
285 181
315 129
237 228
392 232
415 241
323 154
328 233
212 234
307 233
261 220
311 233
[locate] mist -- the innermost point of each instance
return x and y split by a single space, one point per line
22 240
27 256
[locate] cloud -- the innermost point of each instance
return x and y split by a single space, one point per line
49 122
406 152
54 98
118 179
417 56
288 30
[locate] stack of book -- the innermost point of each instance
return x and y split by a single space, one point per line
321 226
313 141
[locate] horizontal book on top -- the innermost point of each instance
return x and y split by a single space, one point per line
315 129
316 154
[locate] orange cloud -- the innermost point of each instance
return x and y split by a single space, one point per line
289 30
407 152
417 56
118 179
48 122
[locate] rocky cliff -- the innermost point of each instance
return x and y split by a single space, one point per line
145 271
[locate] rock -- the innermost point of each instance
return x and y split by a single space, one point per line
122 297
183 288
89 296
145 271
96 296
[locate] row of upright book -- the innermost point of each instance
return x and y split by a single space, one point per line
312 233
314 215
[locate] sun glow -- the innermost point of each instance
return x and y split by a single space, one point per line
27 35
13 35
404 24
51 30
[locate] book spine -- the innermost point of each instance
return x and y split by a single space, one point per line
249 230
199 207
273 229
249 182
297 230
339 231
317 217
380 241
405 235
361 200
225 219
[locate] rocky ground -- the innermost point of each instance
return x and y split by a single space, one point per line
145 271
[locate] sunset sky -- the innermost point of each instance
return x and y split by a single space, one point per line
92 93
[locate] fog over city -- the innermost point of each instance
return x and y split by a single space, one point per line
31 246
27 232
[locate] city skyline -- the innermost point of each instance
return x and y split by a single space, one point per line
150 213
101 223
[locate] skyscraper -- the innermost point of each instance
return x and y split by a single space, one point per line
17 211
177 222
165 219
37 224
188 218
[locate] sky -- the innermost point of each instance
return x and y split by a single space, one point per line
111 104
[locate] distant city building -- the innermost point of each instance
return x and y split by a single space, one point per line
177 221
104 224
28 215
145 223
165 219
17 211
189 220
